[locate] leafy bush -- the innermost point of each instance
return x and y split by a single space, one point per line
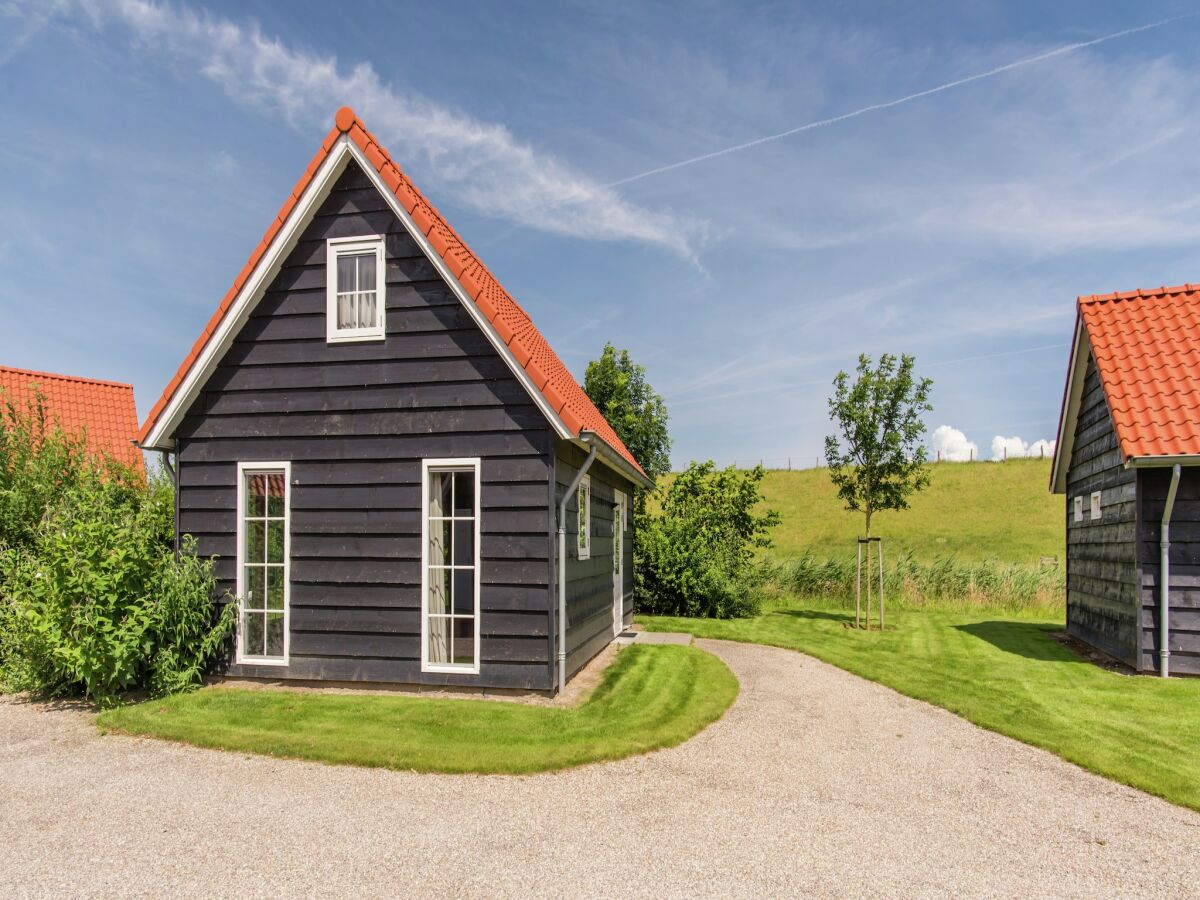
92 595
944 582
695 557
38 464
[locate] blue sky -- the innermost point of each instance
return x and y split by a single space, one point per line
147 147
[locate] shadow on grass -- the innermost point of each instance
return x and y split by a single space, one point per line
828 615
1028 639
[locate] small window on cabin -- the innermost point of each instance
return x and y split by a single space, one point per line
355 289
584 503
1095 505
1078 509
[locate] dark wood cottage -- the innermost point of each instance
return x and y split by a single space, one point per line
1128 448
402 481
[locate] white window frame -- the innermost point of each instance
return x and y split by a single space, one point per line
1079 508
583 539
335 247
265 468
428 466
1096 510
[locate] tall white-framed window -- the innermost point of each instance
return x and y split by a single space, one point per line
450 565
354 289
263 563
583 503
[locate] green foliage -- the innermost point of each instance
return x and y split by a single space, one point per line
38 463
651 697
92 595
880 419
943 583
637 413
696 554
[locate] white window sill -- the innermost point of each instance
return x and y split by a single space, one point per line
353 338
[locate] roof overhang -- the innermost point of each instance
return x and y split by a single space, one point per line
610 457
1069 413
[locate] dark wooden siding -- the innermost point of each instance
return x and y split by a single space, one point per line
1153 485
1102 606
590 581
356 420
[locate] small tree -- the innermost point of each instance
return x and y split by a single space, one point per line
879 459
637 413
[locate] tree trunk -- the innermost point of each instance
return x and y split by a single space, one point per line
869 512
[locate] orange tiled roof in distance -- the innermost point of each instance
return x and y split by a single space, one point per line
1146 345
548 373
105 409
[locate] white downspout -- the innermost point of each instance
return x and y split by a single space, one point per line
562 563
1164 578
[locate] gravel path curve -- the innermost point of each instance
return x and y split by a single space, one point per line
816 782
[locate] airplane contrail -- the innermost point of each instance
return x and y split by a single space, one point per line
875 107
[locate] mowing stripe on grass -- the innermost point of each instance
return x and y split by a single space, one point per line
651 697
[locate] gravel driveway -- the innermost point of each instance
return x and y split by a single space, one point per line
816 782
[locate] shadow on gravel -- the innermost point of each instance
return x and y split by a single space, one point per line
53 704
1031 640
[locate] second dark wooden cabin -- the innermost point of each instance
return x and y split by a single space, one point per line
1126 462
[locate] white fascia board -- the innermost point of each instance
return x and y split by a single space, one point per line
161 436
556 422
1080 350
1158 462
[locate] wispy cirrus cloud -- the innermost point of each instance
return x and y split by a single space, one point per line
482 163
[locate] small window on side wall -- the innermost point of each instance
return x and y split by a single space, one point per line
1078 509
355 293
1095 504
584 502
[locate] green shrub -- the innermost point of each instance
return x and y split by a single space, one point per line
93 597
38 463
695 556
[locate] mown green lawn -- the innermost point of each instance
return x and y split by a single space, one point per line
650 697
1006 673
973 511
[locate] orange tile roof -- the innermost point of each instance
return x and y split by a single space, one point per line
548 373
105 409
1147 350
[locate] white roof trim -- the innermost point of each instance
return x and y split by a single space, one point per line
161 436
1081 349
1156 462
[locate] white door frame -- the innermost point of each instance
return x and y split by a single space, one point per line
620 511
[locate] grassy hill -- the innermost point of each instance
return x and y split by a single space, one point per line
973 511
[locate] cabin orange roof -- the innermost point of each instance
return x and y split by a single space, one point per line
547 372
1146 345
103 409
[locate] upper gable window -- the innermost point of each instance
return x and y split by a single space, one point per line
354 289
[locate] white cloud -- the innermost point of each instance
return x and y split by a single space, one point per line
1015 448
951 445
481 163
